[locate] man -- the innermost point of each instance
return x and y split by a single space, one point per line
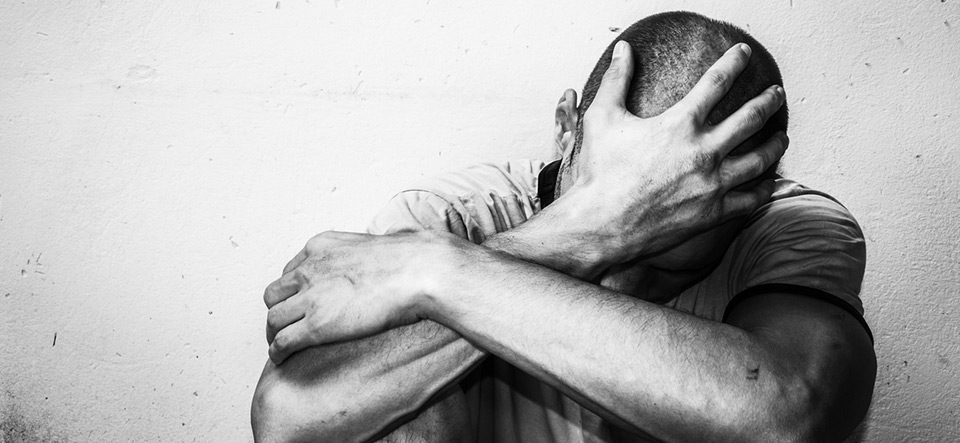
686 306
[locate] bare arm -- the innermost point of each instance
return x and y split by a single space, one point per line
396 385
362 389
786 368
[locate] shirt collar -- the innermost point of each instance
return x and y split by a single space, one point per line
547 183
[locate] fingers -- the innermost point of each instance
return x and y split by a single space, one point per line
284 314
612 93
739 169
749 119
299 258
287 285
743 203
281 289
716 82
289 340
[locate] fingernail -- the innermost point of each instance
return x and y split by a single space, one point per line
746 49
618 48
780 92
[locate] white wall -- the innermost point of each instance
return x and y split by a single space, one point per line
160 162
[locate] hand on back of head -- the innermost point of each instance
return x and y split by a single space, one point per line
650 183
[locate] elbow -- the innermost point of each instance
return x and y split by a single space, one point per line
284 410
280 413
816 409
262 413
791 413
272 413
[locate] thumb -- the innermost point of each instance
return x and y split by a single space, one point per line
612 93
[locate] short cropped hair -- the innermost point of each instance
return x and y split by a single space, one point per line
671 51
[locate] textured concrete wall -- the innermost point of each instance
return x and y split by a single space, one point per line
160 162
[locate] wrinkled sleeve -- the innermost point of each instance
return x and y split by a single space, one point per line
473 216
807 242
473 203
417 210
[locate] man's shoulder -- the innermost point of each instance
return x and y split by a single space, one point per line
800 214
802 238
472 202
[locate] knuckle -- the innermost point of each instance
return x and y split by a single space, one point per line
314 323
613 71
272 318
760 167
281 342
717 78
316 334
707 158
267 297
312 245
309 273
684 121
686 115
274 355
302 274
764 160
755 118
315 244
314 305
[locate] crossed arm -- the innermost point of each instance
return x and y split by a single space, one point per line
782 368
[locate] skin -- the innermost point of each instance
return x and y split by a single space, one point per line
783 367
672 269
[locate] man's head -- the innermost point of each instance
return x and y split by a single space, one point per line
671 52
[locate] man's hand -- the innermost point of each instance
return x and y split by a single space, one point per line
344 286
643 185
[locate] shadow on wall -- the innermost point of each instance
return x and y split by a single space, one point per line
15 428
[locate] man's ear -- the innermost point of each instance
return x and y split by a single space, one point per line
566 119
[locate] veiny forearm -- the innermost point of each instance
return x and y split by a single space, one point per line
357 390
669 374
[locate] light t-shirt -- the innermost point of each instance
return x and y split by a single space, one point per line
802 241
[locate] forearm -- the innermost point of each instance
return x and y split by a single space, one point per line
406 366
353 391
556 238
669 374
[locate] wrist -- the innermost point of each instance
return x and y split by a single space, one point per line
543 240
431 275
589 232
